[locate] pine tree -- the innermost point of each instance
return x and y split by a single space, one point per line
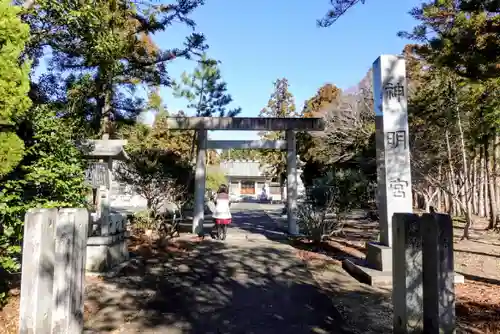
102 50
205 92
281 104
462 36
339 8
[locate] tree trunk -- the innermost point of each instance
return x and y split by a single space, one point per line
486 194
496 178
452 185
447 197
414 198
198 114
461 192
427 202
106 116
439 192
474 185
482 184
468 225
428 197
491 187
102 123
466 192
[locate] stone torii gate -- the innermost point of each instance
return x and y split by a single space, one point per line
203 124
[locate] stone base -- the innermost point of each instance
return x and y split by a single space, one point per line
364 273
361 271
104 253
379 257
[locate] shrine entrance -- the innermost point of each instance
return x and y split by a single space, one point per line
203 124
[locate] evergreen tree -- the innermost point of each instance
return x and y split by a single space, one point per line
280 104
205 92
101 51
158 136
14 85
339 8
462 36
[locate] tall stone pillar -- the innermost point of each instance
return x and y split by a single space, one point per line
291 184
393 153
199 184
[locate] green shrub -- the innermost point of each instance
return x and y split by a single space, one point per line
328 203
50 175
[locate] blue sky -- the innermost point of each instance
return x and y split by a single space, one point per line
262 40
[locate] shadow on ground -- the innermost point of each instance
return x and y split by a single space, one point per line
257 223
212 287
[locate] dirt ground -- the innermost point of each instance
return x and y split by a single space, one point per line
365 308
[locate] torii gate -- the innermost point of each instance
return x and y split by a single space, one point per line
203 124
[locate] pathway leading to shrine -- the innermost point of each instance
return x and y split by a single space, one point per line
242 285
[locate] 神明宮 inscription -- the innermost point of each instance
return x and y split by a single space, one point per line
394 91
397 139
398 187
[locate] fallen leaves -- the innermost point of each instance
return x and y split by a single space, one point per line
9 316
478 307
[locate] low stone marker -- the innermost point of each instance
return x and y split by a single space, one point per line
438 274
407 288
423 274
53 269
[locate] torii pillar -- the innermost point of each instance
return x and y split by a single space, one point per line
291 182
199 183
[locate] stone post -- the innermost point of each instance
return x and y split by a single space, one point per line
407 292
37 270
291 184
392 153
69 271
438 274
199 190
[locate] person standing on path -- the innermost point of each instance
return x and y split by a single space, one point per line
222 212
